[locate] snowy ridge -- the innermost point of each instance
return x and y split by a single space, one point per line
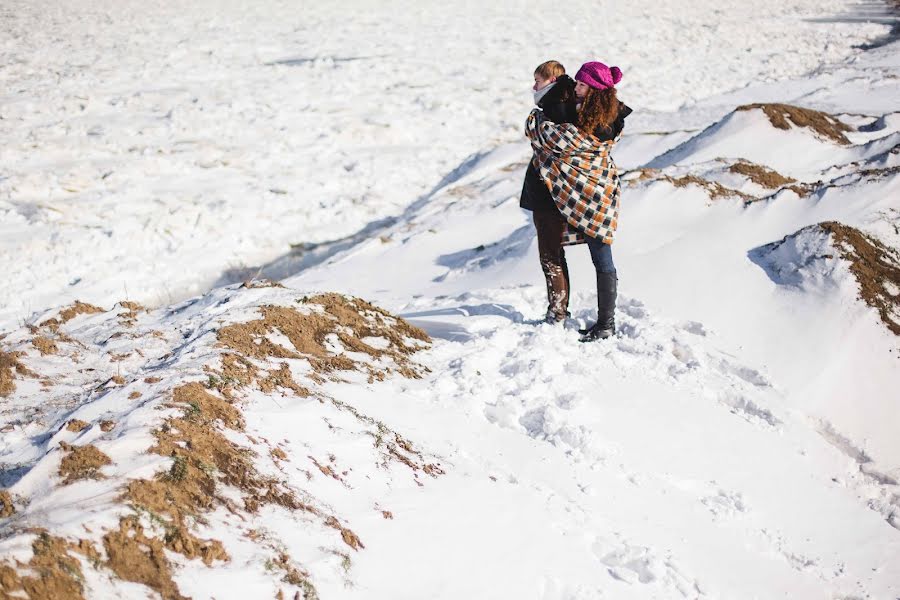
141 388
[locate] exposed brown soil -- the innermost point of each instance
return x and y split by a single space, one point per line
760 175
135 557
802 189
204 458
10 366
134 395
152 379
782 115
67 314
51 574
7 509
76 425
875 266
713 188
645 174
129 318
82 462
44 345
308 332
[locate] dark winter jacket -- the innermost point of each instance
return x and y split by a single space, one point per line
558 106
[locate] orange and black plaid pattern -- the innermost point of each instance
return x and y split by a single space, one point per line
581 176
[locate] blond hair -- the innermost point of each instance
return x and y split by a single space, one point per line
550 69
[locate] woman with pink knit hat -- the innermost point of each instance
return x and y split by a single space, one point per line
575 163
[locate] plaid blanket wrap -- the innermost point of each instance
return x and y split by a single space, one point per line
581 175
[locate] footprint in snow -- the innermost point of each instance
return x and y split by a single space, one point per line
641 565
724 504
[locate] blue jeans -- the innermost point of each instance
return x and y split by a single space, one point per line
601 255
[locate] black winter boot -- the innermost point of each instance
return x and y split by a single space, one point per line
605 326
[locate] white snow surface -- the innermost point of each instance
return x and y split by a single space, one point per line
737 438
169 148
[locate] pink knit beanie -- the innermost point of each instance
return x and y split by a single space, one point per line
599 76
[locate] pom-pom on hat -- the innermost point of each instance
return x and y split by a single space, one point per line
599 76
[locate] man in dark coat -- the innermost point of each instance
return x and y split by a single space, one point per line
555 96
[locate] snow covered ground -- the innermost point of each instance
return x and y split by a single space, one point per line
736 439
153 150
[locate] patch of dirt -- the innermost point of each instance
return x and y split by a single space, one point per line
294 575
281 561
76 425
802 189
326 469
642 174
203 457
876 267
761 175
152 379
715 189
67 314
44 345
51 574
7 509
348 320
135 557
82 462
10 366
783 115
129 318
202 442
107 426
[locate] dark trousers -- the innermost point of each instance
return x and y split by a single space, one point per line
550 225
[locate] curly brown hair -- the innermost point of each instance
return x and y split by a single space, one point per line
598 109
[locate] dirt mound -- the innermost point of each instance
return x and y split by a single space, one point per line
203 457
44 345
82 462
349 321
876 267
6 505
714 189
783 115
67 314
76 425
129 318
211 467
51 574
760 175
10 366
135 557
